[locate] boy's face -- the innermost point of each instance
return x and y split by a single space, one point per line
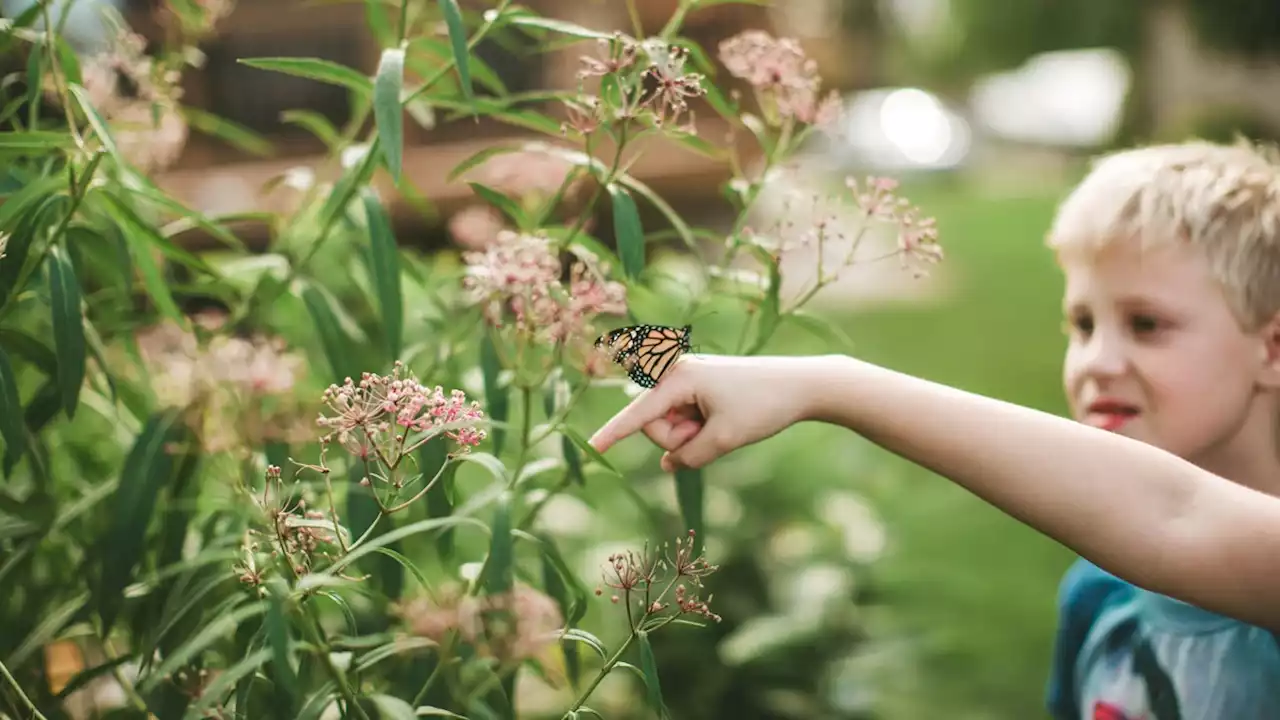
1155 353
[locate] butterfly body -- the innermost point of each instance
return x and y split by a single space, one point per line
646 351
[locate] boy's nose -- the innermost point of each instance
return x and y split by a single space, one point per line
1104 356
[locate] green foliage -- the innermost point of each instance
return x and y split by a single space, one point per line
282 507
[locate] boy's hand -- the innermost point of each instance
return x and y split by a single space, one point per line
709 405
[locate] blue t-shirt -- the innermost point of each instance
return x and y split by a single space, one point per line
1123 653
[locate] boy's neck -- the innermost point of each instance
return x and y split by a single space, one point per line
1250 461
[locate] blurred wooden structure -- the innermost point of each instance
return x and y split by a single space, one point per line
217 178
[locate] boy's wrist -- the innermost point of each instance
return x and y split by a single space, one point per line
823 387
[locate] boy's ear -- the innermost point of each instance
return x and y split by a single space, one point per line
1270 337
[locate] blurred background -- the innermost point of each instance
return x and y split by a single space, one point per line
987 110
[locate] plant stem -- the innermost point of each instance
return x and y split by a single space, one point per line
35 712
605 670
314 630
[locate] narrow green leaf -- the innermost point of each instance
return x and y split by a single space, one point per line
68 326
458 39
560 26
316 124
416 528
689 493
823 329
574 597
233 132
768 317
227 679
428 711
582 636
555 586
97 123
388 113
31 228
628 232
363 512
572 461
51 622
376 16
43 407
431 457
650 667
499 201
392 708
218 628
146 469
495 394
681 227
280 637
33 140
11 425
29 348
332 337
385 256
325 71
499 566
586 448
480 157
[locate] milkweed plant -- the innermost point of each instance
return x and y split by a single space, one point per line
328 477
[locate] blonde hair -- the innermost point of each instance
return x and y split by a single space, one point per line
1221 200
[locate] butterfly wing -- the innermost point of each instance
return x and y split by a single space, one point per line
646 351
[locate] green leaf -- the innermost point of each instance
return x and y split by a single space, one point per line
500 201
560 26
480 157
499 566
388 113
68 327
385 256
768 317
316 124
458 39
628 231
381 541
553 582
496 397
392 708
33 140
379 22
218 628
586 448
582 636
280 637
689 493
650 667
677 222
332 337
822 328
428 711
234 133
325 71
226 679
11 425
146 470
431 457
97 123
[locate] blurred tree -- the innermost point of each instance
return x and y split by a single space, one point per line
1250 28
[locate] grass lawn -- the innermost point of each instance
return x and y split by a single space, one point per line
970 588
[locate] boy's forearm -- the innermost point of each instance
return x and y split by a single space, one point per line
1143 514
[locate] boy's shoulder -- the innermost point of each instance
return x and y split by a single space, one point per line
1139 654
1084 595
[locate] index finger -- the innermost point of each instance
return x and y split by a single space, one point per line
650 406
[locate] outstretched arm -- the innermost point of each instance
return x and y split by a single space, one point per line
1139 512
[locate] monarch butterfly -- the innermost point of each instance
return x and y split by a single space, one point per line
646 351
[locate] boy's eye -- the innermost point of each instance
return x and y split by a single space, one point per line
1142 324
1082 324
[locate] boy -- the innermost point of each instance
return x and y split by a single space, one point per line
1172 261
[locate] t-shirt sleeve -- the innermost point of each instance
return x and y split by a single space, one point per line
1086 590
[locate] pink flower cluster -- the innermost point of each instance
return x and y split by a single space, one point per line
512 627
371 417
917 236
519 277
785 80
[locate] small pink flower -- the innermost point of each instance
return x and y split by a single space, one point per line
783 77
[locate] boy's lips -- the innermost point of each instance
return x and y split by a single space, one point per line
1109 414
